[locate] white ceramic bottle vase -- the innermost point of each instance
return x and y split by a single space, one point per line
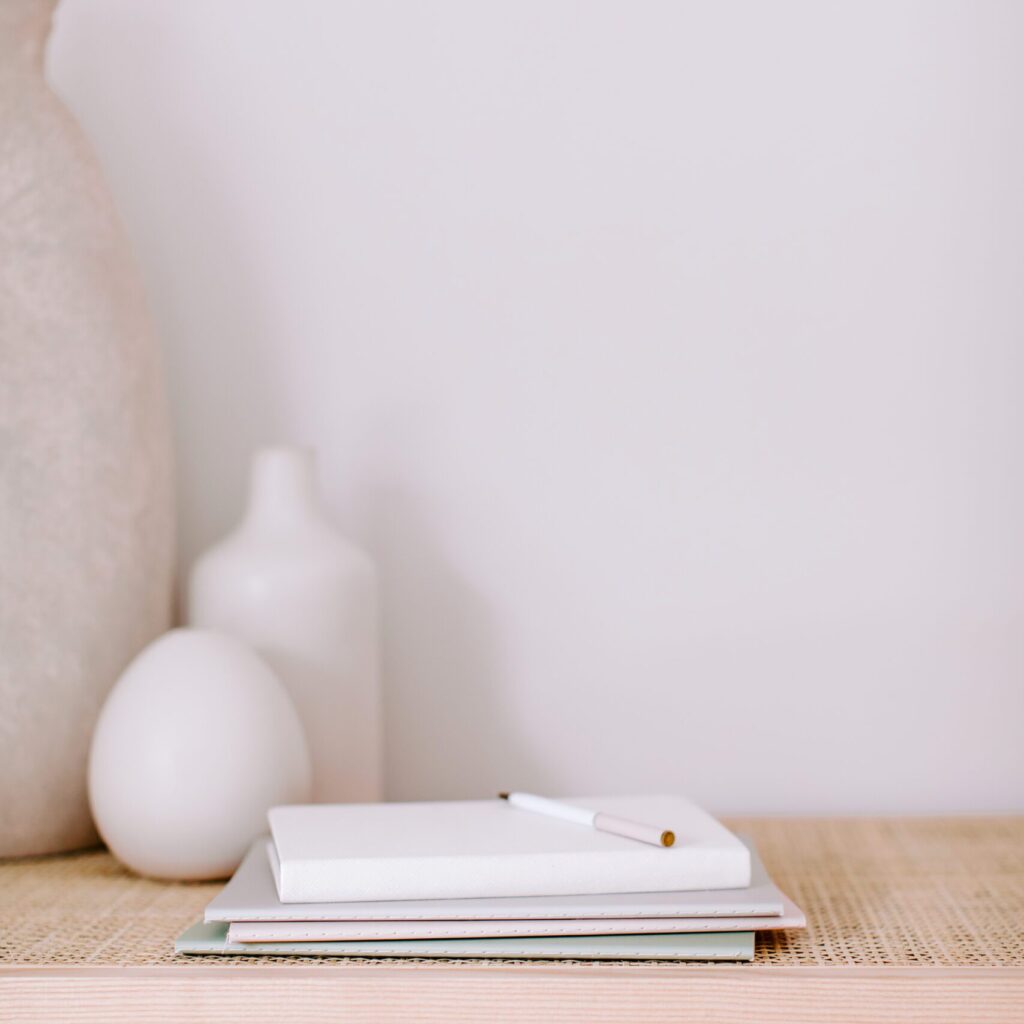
306 600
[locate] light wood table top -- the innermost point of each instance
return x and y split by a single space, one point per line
908 920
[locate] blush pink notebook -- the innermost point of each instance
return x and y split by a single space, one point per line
362 931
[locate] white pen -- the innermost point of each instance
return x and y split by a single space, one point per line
593 819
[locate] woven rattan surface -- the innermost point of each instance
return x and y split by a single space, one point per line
877 892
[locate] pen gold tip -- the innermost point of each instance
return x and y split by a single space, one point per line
503 796
668 838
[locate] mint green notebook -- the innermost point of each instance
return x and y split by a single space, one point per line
212 937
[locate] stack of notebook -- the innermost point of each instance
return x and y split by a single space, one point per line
486 879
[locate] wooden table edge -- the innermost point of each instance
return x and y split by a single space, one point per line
166 971
467 994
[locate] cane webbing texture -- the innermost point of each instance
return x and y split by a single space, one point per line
877 892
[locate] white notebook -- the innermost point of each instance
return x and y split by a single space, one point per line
486 848
251 895
760 907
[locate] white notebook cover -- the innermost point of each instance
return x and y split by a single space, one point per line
251 896
212 938
487 848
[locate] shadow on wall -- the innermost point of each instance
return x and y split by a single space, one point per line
444 680
199 261
206 273
216 357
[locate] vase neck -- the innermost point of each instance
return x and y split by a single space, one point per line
24 28
283 492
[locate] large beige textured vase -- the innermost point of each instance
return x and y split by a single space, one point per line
86 527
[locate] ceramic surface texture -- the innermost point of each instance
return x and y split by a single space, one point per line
197 741
86 508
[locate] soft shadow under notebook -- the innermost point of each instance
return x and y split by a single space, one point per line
212 938
252 896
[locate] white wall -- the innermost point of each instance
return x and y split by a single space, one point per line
666 355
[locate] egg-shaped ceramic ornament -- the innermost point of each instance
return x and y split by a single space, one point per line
197 740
